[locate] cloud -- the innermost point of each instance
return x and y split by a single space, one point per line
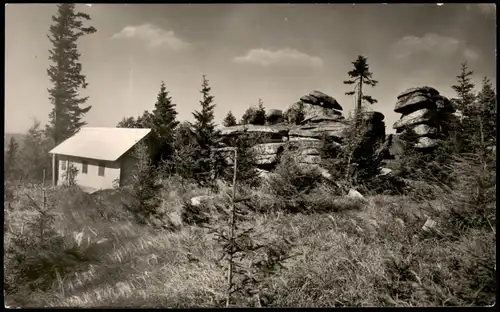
487 8
470 54
484 8
282 57
433 44
154 36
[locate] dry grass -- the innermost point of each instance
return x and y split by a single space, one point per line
352 253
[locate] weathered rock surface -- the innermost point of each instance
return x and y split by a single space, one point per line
310 151
426 90
385 171
264 174
424 130
325 100
309 99
310 112
266 159
413 102
417 117
274 116
238 130
319 130
305 144
302 139
322 117
444 104
268 148
426 113
355 195
316 119
200 200
425 143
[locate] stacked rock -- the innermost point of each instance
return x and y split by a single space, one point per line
322 116
274 116
315 107
423 110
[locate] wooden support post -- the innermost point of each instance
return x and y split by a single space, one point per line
54 170
231 237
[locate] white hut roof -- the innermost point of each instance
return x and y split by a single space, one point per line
102 143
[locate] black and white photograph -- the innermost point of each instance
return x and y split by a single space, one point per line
250 155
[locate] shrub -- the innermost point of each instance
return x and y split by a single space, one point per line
291 182
145 202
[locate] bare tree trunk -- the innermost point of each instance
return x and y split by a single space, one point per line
360 100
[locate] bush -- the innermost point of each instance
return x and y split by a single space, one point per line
291 182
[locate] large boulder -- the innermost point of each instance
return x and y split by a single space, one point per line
305 143
309 99
310 112
425 90
274 116
319 130
302 139
315 119
238 130
310 151
425 143
266 159
422 130
325 100
424 115
268 148
413 102
443 104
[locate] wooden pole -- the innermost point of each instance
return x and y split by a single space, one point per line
54 171
43 191
231 237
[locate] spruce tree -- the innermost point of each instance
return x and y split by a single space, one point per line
464 89
260 114
34 154
145 187
129 122
248 116
66 73
360 75
185 150
143 121
163 125
10 161
487 110
464 102
229 120
205 133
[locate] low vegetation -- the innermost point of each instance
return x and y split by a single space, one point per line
423 236
406 250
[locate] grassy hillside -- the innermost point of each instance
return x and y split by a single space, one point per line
347 253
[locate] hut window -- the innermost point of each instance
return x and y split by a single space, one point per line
85 167
101 169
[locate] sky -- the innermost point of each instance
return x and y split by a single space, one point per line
277 52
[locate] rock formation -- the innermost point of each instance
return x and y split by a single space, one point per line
424 113
321 116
